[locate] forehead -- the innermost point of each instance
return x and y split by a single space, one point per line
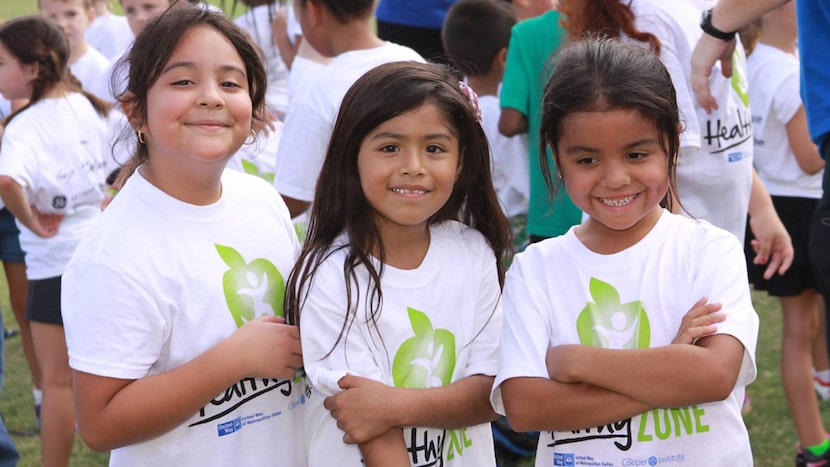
83 4
144 3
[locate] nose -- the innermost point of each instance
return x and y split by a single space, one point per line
210 96
616 174
412 163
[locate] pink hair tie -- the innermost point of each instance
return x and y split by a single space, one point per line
472 97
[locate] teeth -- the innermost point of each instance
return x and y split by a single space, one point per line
407 191
617 202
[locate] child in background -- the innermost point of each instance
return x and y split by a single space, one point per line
476 34
74 17
791 168
342 31
600 352
109 33
53 162
532 42
398 285
14 266
179 351
257 22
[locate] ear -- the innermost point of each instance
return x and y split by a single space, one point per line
316 11
500 59
130 108
31 70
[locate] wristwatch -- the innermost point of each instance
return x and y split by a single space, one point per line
706 25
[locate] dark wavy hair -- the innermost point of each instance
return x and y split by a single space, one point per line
153 48
339 206
36 39
600 74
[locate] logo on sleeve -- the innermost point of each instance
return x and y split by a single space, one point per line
608 323
251 289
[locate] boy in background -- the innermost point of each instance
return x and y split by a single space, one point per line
74 17
475 36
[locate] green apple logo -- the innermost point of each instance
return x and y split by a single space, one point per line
739 81
610 324
251 289
426 356
251 168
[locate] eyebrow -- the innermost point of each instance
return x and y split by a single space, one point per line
173 66
389 134
642 142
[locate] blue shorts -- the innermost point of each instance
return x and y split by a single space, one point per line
10 250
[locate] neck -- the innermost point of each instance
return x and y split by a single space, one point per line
75 53
405 247
357 34
185 184
484 85
56 91
779 42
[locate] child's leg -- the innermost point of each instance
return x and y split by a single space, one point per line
18 286
57 428
799 334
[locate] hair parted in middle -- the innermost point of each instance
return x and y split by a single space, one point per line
599 74
381 94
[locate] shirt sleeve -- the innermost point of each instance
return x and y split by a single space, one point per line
526 331
302 150
333 348
113 327
515 93
18 155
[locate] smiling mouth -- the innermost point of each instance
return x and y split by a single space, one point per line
409 191
618 202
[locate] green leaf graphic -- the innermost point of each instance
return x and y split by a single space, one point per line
251 289
608 323
428 356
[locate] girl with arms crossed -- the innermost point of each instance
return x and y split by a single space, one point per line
586 348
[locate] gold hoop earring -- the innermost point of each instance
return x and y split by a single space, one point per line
141 138
253 138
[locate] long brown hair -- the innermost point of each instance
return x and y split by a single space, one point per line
341 207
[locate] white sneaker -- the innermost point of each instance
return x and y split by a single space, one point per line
822 388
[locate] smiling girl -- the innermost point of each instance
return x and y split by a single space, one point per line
173 304
591 316
399 281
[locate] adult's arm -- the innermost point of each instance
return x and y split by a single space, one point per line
727 16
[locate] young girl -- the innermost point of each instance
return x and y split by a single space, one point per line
53 162
172 302
590 316
398 285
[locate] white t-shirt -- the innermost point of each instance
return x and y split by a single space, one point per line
89 68
511 168
257 22
559 292
714 169
110 34
58 151
439 323
158 282
774 85
312 115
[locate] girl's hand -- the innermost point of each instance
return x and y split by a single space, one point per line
45 225
699 321
360 409
269 348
